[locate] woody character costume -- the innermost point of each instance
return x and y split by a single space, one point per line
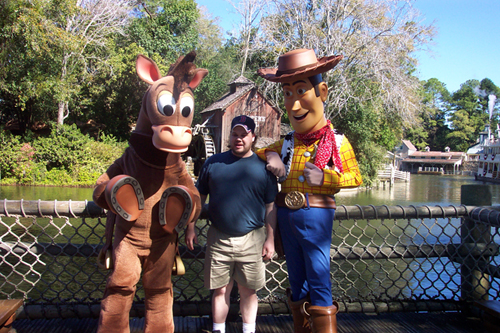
313 163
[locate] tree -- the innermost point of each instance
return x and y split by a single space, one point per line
377 40
50 47
27 71
488 93
251 13
219 59
431 129
166 28
467 116
87 29
110 101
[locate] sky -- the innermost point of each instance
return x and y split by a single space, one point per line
466 46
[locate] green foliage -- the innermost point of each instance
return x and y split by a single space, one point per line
468 114
222 69
62 148
65 157
103 92
165 27
57 177
112 99
28 75
17 160
371 136
431 128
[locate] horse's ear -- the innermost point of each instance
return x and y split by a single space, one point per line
198 76
147 69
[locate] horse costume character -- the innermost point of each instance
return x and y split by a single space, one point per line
150 197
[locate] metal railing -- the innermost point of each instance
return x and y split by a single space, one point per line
383 258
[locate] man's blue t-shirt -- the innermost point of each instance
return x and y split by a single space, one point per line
238 190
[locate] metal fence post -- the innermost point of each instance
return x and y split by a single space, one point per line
474 283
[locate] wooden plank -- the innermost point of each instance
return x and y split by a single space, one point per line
490 306
395 322
491 314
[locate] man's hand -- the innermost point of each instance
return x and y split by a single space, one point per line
274 164
313 174
190 236
268 249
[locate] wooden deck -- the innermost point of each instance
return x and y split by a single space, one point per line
447 322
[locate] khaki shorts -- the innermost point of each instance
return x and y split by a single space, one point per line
235 257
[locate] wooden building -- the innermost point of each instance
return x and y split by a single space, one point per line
431 162
243 98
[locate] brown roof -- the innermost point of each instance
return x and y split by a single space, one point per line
430 161
239 87
424 154
409 145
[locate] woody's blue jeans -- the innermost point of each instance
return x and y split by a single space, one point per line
307 235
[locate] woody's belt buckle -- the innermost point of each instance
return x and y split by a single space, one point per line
295 200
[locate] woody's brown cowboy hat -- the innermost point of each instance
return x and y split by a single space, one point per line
300 62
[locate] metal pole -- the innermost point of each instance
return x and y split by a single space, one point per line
475 284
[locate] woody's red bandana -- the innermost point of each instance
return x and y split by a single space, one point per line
326 146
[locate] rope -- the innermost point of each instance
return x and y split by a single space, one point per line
22 209
55 208
5 207
70 210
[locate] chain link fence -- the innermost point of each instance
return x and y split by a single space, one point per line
383 258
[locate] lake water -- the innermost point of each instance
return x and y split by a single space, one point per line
421 190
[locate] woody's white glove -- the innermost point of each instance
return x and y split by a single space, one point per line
313 174
274 164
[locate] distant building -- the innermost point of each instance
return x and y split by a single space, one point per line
401 152
243 98
429 161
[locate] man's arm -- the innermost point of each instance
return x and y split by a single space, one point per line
268 249
190 235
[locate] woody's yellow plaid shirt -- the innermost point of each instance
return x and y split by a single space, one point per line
333 180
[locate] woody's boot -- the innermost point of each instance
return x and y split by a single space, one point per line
300 323
322 319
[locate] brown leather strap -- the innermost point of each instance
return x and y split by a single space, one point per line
315 200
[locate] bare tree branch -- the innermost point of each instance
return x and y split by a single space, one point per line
90 26
376 37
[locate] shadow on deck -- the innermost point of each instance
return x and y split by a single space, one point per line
406 322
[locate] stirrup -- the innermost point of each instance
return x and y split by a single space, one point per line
178 268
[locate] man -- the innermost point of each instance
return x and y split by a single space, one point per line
241 202
315 163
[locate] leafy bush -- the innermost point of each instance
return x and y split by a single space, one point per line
64 157
63 148
17 160
57 177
